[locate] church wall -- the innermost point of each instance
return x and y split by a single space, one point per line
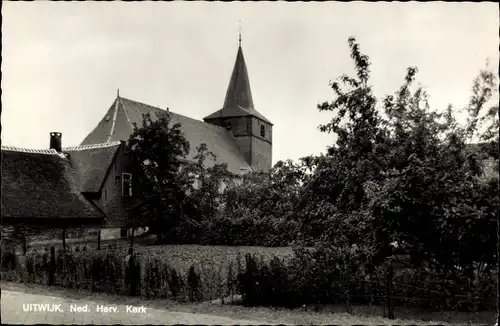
261 154
240 126
256 125
261 147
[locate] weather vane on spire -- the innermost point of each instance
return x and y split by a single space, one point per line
239 30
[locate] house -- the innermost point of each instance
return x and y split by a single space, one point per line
103 178
67 187
41 189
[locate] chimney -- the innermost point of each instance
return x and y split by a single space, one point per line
55 141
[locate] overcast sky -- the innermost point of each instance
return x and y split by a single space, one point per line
62 62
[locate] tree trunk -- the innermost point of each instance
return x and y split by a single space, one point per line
25 246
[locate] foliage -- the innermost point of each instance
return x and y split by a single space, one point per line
402 172
104 271
336 275
245 231
211 181
271 194
257 210
156 151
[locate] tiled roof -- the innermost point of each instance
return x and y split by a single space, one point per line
218 140
238 101
91 163
41 184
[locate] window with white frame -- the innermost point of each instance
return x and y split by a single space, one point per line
127 184
262 130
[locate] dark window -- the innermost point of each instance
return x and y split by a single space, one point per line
126 184
262 131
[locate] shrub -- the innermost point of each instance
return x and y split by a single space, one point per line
194 285
175 283
335 275
236 231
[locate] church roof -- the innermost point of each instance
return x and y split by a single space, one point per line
91 164
42 184
117 125
238 101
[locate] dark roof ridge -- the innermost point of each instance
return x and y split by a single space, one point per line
163 110
29 150
91 146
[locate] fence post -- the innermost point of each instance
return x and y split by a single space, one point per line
132 238
99 239
52 266
64 239
25 246
389 276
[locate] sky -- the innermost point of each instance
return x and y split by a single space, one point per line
62 62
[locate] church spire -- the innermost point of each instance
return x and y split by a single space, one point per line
239 32
238 101
238 92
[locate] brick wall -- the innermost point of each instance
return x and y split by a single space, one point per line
261 154
261 147
112 202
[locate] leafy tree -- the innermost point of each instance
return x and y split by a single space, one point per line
211 181
157 152
402 172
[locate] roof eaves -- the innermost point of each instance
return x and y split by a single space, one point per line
29 150
92 146
210 117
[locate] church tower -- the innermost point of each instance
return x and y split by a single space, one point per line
252 131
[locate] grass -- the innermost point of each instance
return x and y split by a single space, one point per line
304 316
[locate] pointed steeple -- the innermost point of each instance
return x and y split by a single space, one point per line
238 101
238 92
